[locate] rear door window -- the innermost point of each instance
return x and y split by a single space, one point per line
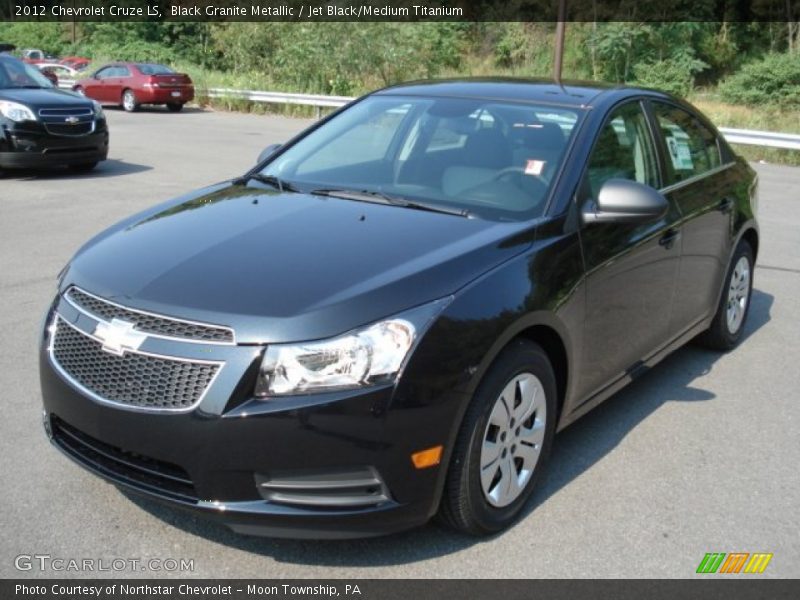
691 148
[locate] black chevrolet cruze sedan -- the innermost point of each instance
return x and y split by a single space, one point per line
393 313
42 126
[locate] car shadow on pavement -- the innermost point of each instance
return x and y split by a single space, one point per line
108 168
575 450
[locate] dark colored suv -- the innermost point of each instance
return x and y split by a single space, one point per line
392 314
42 126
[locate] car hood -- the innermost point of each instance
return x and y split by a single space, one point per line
44 98
286 266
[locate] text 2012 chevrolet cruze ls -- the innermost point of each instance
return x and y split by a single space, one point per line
393 314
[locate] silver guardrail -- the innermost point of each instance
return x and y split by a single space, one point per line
761 138
768 139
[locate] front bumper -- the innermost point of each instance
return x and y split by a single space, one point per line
31 146
209 460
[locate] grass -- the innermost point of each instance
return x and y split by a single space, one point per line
762 118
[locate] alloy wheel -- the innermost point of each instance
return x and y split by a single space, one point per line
513 440
129 101
738 294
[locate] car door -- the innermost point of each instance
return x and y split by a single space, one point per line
703 189
119 80
630 268
94 88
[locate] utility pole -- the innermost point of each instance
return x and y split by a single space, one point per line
559 49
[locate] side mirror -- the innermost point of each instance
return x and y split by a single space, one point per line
625 201
267 152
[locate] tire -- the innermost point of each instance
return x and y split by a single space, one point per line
129 102
727 326
174 106
482 506
83 167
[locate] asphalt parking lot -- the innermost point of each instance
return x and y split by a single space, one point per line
700 455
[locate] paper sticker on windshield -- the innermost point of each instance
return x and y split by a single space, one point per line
534 167
680 153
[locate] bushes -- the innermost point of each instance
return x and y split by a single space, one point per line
773 80
675 76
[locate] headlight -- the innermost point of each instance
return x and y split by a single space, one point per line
16 112
368 356
98 110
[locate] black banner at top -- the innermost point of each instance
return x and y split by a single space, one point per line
399 10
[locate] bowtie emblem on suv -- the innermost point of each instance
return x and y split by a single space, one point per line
72 120
119 336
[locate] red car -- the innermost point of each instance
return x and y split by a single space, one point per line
133 84
78 63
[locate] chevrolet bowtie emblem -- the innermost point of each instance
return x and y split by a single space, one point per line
72 120
119 336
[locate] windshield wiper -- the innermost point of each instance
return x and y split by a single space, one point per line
276 182
377 197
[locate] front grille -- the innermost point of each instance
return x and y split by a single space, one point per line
121 465
149 323
135 380
67 129
62 113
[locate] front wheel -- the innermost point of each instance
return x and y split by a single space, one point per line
503 443
728 324
129 101
174 107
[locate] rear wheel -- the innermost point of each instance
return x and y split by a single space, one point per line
129 102
175 106
503 443
728 324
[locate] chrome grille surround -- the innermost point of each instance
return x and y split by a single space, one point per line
158 326
135 380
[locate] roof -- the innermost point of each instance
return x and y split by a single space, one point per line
569 93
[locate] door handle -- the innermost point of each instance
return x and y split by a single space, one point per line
726 205
669 238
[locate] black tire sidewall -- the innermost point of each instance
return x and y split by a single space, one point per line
522 358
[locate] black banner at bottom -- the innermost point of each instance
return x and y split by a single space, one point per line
398 589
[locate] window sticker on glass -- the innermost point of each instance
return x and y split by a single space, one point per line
534 167
680 153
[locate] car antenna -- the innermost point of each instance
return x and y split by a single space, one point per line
559 45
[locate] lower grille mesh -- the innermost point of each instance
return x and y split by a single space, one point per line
135 380
127 467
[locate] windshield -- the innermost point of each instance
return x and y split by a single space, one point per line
154 70
16 74
494 160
